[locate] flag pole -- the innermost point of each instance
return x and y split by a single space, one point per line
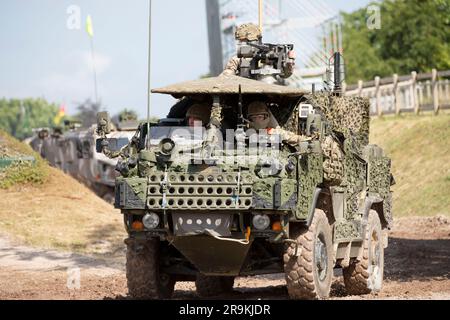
149 93
90 31
95 71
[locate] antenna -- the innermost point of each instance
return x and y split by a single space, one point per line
149 93
241 115
337 73
261 12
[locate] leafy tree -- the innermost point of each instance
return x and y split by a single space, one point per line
414 36
126 115
87 113
19 117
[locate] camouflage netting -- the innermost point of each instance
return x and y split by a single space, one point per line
354 176
333 164
346 115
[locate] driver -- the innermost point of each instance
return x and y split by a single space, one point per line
261 118
198 113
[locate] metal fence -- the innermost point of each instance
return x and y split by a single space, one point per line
405 94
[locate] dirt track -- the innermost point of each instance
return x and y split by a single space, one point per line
417 267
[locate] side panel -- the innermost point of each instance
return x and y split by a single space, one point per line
310 175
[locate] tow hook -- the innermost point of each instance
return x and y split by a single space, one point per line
290 241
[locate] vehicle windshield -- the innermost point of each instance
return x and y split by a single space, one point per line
115 144
184 137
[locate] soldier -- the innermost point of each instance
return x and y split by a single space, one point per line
198 113
250 32
261 118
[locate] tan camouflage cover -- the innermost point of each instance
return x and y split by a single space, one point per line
227 84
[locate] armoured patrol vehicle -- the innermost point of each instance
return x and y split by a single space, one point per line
201 204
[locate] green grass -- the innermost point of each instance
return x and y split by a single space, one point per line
21 172
420 150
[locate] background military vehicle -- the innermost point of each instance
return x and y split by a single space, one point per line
72 150
320 205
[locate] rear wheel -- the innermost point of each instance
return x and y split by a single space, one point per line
309 274
366 276
210 286
143 277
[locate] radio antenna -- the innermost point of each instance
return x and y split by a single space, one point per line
149 92
261 12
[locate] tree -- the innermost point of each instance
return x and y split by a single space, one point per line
126 115
19 117
87 113
414 36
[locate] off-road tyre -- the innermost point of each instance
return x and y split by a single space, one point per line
308 276
366 276
210 286
142 268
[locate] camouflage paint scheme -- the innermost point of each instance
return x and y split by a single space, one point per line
337 172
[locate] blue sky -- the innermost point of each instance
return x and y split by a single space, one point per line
41 57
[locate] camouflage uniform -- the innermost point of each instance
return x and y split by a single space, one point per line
232 67
288 137
271 124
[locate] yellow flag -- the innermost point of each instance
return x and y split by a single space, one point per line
62 112
89 28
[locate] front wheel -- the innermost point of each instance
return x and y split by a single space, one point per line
366 276
143 277
310 273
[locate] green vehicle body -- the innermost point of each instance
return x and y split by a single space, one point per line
336 174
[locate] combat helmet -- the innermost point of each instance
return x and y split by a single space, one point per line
248 32
258 108
199 111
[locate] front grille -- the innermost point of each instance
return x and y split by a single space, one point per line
201 192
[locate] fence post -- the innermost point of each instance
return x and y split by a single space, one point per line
435 88
447 92
360 87
378 96
414 97
344 88
395 92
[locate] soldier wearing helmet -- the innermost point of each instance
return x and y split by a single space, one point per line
244 33
251 33
198 113
261 118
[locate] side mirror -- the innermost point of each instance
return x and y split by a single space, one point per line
103 122
313 124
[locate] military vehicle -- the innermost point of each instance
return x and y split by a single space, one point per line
72 150
200 209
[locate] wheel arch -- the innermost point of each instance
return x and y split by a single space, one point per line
322 201
377 204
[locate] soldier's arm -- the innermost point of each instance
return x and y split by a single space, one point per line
232 66
289 66
288 137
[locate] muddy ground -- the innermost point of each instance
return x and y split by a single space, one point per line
417 267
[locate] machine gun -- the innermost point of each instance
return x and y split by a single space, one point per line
266 59
240 131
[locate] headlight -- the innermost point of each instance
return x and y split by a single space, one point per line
261 221
150 220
